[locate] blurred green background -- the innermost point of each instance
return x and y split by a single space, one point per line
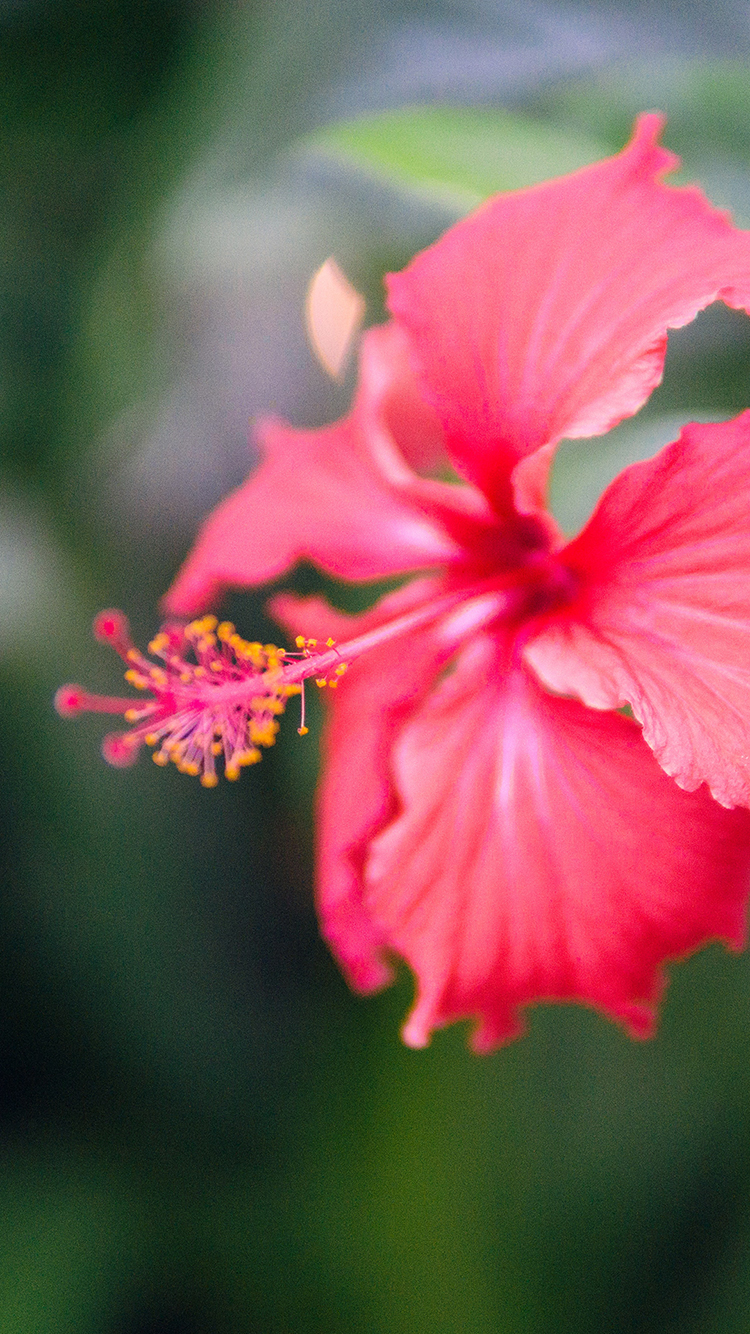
201 1129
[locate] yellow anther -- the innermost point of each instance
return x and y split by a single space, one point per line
216 665
132 655
287 691
225 631
136 679
204 626
330 642
131 715
333 683
342 667
216 748
151 738
205 643
232 772
300 641
303 731
249 757
263 734
192 768
160 757
199 671
158 643
185 677
209 780
321 681
267 704
312 643
159 676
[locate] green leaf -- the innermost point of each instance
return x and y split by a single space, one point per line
457 155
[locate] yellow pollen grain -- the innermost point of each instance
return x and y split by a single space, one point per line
303 731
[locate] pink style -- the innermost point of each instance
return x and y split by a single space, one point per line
486 812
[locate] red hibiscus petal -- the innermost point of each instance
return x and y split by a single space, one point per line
343 497
663 618
355 797
544 314
542 854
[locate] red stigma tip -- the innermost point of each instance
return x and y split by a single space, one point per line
70 700
110 626
119 749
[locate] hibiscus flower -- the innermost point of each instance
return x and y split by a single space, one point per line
487 810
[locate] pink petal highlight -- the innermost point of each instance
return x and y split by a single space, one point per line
343 497
541 854
356 796
544 314
663 618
